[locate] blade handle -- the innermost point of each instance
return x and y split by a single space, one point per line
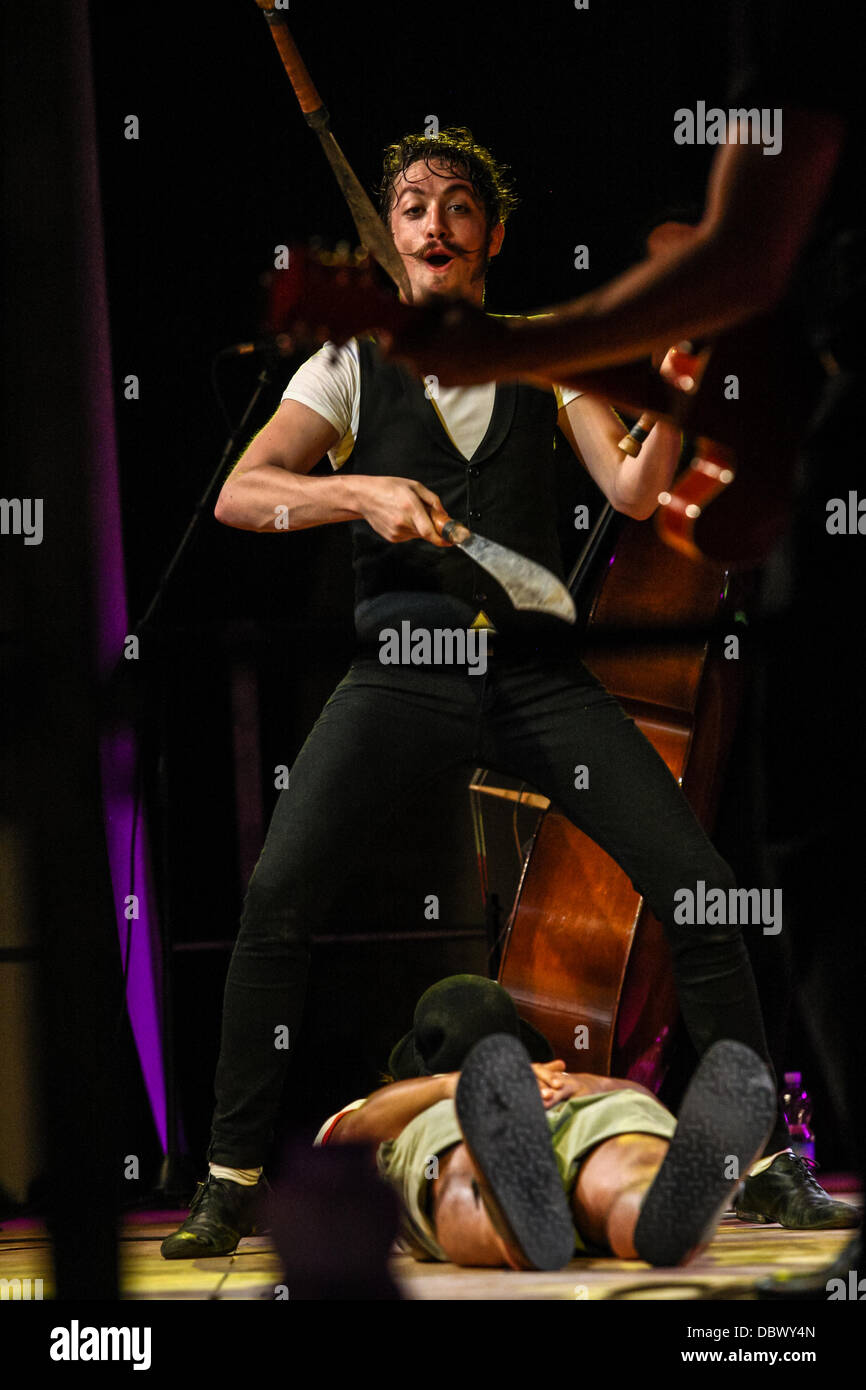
308 98
455 533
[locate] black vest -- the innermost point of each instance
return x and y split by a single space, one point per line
506 491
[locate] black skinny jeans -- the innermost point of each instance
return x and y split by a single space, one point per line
383 734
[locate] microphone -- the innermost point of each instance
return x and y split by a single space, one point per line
283 345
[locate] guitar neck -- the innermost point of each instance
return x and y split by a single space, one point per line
634 387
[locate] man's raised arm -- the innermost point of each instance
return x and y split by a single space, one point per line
758 216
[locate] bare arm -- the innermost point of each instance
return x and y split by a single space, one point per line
758 215
387 1112
269 488
587 1084
631 485
271 475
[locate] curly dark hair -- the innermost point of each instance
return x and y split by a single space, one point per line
455 148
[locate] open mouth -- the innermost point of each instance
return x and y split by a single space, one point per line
439 261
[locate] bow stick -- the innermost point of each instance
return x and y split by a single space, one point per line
374 235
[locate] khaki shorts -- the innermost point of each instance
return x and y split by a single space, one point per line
410 1162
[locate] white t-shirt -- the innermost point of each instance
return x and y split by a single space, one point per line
329 382
330 1124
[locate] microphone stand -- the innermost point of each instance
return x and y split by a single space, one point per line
265 379
173 1181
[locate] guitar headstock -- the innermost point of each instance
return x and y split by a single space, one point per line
327 295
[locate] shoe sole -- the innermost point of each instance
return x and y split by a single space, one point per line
726 1116
505 1129
187 1248
183 1251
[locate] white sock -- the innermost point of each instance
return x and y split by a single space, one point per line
763 1163
247 1177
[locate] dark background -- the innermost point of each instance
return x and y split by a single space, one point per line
580 105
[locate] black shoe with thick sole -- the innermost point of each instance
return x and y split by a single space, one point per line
724 1122
221 1213
505 1129
786 1192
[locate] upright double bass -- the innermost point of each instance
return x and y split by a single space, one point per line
584 958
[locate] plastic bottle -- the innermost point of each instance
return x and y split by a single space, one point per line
797 1106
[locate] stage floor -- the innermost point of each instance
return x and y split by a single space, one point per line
739 1255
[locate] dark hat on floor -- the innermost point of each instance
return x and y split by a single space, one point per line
451 1017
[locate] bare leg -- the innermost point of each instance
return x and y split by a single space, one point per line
632 1189
612 1183
463 1227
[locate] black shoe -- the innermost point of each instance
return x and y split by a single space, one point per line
817 1287
786 1192
505 1128
724 1122
220 1214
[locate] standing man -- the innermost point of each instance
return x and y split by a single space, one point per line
406 457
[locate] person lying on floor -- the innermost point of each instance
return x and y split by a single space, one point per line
519 1163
